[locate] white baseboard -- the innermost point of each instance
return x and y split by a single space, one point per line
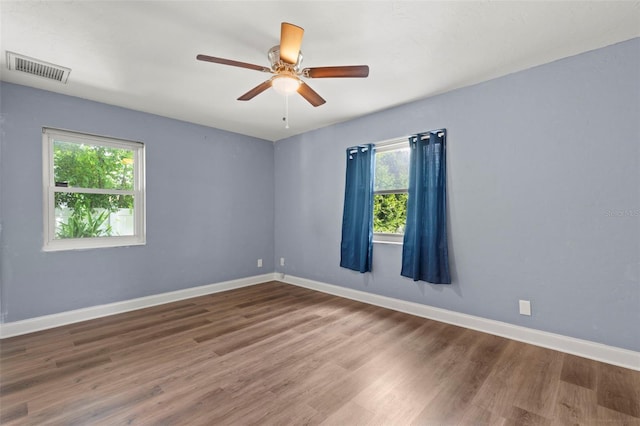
31 325
584 348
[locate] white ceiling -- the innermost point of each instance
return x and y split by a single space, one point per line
141 55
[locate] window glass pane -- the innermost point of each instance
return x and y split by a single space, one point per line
390 212
92 166
80 215
392 170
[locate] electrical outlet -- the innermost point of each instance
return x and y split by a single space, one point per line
525 307
282 261
259 263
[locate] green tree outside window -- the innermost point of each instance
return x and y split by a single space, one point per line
95 167
390 191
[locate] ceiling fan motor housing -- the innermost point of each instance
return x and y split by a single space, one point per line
278 65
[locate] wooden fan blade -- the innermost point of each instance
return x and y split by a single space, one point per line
358 71
290 42
310 95
255 91
232 63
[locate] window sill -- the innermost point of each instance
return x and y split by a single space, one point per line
92 243
393 243
388 238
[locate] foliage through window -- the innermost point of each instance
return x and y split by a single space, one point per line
93 191
391 190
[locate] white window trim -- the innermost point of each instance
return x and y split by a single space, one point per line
392 144
49 190
385 146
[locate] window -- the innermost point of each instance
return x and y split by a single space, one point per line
390 192
93 191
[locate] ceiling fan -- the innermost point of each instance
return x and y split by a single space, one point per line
285 60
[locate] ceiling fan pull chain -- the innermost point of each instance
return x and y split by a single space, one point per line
286 112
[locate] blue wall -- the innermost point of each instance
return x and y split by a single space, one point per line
537 162
209 208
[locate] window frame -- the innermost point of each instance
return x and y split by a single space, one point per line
381 147
49 135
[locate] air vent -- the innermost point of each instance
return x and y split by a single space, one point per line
36 67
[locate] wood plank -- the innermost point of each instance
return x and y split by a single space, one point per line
578 371
607 417
12 413
525 376
35 380
575 404
349 414
619 389
474 415
538 382
520 417
475 354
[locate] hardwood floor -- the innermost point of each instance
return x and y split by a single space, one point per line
280 354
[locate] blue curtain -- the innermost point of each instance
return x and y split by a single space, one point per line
357 219
425 256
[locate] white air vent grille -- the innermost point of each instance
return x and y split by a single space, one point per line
37 67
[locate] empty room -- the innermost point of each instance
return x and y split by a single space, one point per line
325 213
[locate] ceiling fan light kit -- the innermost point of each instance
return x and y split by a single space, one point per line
285 84
285 60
